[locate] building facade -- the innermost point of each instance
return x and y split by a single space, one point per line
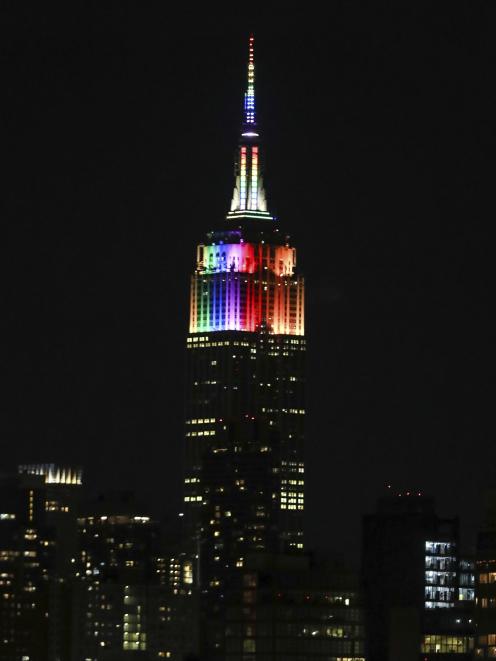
418 590
131 596
27 558
294 607
486 583
37 538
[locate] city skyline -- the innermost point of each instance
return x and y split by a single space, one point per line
397 374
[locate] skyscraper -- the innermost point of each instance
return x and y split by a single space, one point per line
37 540
415 583
121 595
245 409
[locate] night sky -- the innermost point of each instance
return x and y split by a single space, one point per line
119 125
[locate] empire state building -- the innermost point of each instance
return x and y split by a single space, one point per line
245 409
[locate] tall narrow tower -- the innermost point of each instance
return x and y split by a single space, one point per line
245 410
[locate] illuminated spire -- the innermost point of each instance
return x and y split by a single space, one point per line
248 199
249 122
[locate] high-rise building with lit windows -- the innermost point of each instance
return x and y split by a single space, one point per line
418 589
64 489
245 409
37 537
130 595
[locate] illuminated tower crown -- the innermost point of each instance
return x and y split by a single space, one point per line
249 195
245 273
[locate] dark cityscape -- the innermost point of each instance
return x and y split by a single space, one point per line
248 354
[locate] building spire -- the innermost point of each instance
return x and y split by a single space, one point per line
249 121
248 199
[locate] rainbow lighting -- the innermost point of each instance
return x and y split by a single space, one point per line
254 179
250 92
247 285
245 258
242 180
249 194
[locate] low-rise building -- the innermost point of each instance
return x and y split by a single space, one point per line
295 608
